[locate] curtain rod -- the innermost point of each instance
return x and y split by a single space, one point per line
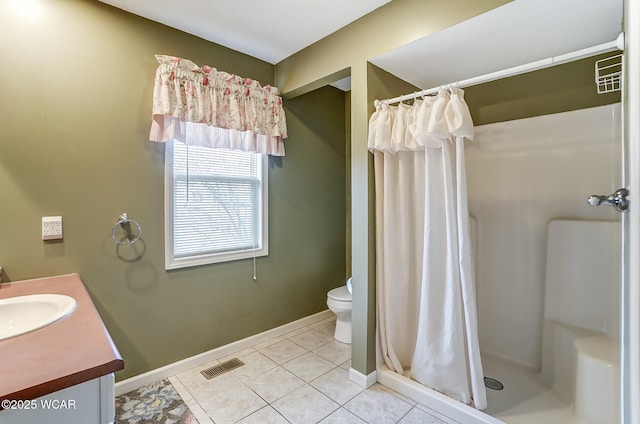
516 70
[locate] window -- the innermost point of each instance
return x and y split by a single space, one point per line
215 205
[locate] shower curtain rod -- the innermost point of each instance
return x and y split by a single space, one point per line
516 70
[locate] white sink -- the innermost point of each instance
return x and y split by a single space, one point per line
22 314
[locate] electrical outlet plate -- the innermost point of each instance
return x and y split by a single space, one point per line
51 227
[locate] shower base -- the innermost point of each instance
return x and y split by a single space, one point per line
525 399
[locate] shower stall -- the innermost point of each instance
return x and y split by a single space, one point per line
553 307
548 264
547 270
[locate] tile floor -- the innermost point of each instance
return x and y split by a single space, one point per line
299 378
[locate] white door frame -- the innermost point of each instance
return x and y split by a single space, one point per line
630 364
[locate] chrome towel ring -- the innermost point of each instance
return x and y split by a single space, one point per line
125 222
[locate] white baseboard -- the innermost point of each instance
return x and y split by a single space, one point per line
364 381
149 377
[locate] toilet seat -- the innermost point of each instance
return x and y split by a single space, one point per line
340 294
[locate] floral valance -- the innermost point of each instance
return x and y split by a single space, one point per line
203 106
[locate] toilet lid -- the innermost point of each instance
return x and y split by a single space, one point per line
340 293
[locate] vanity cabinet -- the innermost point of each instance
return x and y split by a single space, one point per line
61 373
91 402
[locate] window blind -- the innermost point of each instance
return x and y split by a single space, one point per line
217 201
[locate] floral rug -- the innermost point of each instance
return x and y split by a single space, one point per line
156 403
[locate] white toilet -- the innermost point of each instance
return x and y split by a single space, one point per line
339 302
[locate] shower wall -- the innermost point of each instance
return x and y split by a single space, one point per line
521 174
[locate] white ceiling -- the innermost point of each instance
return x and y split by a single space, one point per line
517 33
270 30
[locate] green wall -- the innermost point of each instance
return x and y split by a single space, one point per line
384 85
557 89
74 124
74 121
392 25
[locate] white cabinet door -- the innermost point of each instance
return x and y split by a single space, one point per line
92 402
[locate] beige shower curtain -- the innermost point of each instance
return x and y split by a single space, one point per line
427 320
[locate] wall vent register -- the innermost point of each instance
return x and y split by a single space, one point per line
222 368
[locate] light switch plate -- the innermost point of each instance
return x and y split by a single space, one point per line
51 227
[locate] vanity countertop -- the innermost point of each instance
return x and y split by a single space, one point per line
71 351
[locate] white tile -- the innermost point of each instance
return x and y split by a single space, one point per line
296 332
226 399
268 343
274 384
335 352
309 366
283 351
305 406
436 414
194 406
311 339
266 415
193 379
417 416
377 406
342 416
336 385
327 326
398 395
255 364
275 373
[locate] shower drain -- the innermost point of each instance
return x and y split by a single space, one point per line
493 384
